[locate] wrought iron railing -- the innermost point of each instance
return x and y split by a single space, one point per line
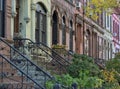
10 79
22 62
68 55
41 53
100 62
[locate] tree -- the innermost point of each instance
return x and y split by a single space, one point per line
95 7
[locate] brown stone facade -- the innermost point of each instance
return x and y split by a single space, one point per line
69 27
85 37
88 37
65 26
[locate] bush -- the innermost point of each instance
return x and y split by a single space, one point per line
114 64
81 63
86 71
87 75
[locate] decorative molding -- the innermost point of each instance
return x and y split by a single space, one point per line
8 11
13 14
33 6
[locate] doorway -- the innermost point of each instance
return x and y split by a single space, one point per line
55 28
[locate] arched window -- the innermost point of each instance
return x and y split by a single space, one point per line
63 31
2 18
71 35
40 31
55 28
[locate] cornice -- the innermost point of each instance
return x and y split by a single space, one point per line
91 23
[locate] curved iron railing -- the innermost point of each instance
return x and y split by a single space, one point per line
64 53
10 79
39 51
27 66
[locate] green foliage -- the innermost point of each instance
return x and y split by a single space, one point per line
49 84
82 63
110 81
85 71
114 64
85 80
95 7
66 80
86 74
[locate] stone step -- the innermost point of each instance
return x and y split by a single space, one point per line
16 85
8 71
4 49
36 57
52 67
12 79
4 64
49 65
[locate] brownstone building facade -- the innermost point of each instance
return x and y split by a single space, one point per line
87 35
63 23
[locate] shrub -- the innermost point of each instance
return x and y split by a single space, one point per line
114 64
86 71
81 63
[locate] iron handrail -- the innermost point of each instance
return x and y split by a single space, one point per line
28 60
6 59
100 62
40 43
60 64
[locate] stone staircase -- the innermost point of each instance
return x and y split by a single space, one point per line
9 77
18 72
51 66
42 56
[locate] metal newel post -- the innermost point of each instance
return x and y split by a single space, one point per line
56 86
74 86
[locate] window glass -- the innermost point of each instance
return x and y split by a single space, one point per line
1 4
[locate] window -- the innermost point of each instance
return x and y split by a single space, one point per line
63 31
108 20
71 36
1 18
104 19
87 43
40 32
100 47
55 28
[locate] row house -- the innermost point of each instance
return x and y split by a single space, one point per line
107 41
89 37
63 23
116 33
93 38
60 22
54 22
31 19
